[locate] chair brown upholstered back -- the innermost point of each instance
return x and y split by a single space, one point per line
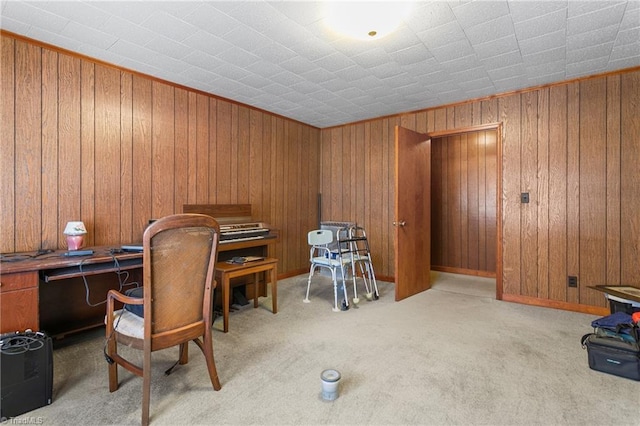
179 266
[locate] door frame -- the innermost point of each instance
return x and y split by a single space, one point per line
497 127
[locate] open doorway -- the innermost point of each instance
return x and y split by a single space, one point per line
465 207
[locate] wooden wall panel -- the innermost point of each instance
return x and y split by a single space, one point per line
107 152
473 214
28 147
375 234
279 194
87 149
7 146
192 153
542 178
491 200
557 273
593 191
215 194
163 151
223 161
255 163
387 189
50 163
126 156
454 209
614 127
181 148
463 198
142 156
268 155
243 129
573 188
203 148
359 168
439 202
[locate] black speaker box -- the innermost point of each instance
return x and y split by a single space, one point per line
26 364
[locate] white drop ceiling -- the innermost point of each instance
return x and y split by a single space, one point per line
280 56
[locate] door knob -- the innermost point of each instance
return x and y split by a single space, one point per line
401 223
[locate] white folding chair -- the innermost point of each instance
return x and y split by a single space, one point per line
320 256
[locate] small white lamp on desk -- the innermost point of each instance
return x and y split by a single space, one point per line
75 235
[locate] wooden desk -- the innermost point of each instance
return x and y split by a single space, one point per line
47 292
225 272
620 297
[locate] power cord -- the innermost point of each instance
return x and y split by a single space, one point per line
121 281
106 341
170 370
21 343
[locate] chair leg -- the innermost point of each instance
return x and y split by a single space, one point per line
146 385
207 349
335 291
311 270
183 353
112 349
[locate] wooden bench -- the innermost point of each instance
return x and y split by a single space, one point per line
226 271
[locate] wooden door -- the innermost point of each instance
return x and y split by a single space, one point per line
412 221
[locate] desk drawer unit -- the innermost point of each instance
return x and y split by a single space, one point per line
19 302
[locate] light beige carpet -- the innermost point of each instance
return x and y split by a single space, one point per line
452 355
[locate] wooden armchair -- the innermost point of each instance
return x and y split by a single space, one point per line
179 258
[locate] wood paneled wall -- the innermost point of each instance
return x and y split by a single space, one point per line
574 147
463 202
86 141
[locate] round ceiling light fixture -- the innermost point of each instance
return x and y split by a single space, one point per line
366 20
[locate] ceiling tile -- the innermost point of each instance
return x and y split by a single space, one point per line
490 30
593 38
471 13
538 26
588 16
169 26
496 47
127 30
35 17
534 10
543 43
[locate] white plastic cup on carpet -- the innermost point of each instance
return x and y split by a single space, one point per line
330 381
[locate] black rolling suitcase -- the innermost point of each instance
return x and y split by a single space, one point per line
614 346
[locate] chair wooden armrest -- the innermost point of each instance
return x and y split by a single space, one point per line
114 294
